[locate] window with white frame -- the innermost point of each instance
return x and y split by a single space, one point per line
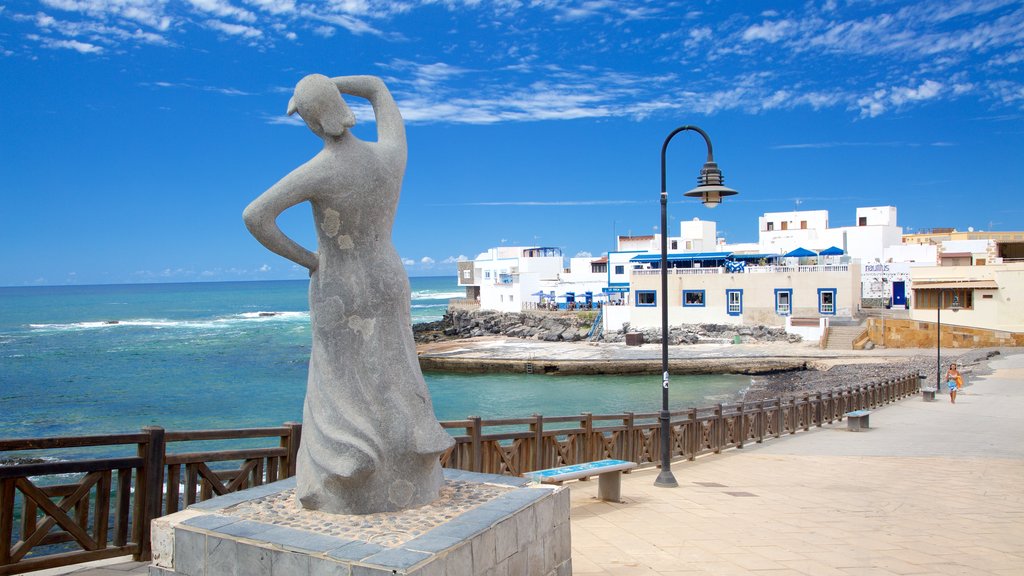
646 298
783 302
826 300
734 302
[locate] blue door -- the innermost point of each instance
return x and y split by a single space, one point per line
899 294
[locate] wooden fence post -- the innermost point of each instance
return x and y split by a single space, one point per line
807 412
151 487
291 442
719 434
587 423
627 444
476 450
741 427
6 519
694 429
537 427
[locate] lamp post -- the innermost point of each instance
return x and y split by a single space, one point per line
955 307
710 190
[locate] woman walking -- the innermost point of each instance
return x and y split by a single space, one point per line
953 380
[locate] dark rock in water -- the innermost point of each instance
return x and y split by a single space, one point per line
266 314
112 322
18 461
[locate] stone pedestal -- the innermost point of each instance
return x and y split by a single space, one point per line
482 525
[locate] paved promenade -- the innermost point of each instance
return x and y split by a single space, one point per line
932 488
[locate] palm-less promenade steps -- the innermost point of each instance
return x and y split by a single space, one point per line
931 488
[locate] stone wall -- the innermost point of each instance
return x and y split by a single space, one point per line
893 333
575 326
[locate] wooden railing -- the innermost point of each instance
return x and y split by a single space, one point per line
540 442
107 511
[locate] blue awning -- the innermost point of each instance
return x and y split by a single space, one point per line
833 251
800 253
682 257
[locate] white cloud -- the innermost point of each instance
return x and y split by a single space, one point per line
324 31
216 89
223 9
427 261
550 203
54 44
294 120
274 6
927 90
584 254
234 29
883 99
768 31
408 262
455 259
148 12
264 268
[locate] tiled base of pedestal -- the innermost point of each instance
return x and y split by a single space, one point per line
520 529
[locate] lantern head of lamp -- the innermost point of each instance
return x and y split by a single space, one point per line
955 306
709 186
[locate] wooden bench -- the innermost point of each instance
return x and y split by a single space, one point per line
857 420
608 472
928 394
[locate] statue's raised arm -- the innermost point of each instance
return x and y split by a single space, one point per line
390 127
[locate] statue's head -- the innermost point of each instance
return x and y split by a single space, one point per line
319 103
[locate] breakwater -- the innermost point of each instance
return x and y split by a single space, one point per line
561 326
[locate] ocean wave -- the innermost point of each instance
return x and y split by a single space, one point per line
436 295
158 323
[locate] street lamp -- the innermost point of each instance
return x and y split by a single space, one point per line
710 190
955 307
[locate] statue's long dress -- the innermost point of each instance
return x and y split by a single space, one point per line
370 440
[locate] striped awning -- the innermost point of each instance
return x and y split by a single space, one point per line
687 257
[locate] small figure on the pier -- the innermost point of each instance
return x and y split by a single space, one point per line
953 381
370 440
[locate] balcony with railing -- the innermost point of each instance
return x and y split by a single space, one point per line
747 270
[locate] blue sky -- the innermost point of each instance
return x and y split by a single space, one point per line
134 132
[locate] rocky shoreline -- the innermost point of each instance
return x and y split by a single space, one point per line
578 326
817 378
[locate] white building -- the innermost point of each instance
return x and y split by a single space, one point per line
876 229
503 278
514 278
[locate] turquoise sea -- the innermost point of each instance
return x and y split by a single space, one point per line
113 358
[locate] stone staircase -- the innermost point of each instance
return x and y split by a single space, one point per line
842 337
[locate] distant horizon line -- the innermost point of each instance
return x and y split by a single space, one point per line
183 282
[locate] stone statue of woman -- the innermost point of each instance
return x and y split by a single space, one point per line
370 440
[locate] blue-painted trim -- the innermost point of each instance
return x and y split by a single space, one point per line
777 291
740 313
703 299
820 291
652 304
610 267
